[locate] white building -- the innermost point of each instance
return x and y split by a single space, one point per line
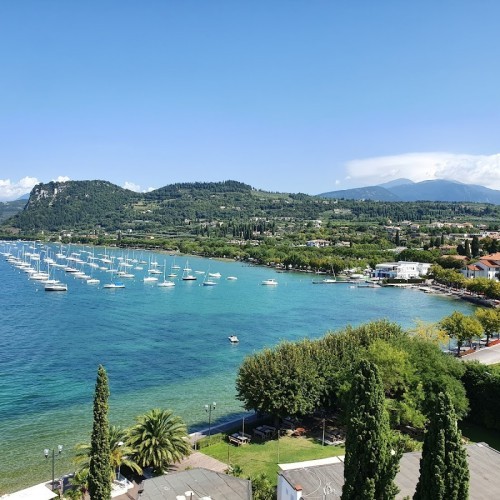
487 266
401 270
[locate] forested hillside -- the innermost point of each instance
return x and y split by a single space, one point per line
224 208
10 208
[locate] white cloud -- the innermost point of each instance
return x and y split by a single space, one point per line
61 178
132 186
135 187
12 190
469 169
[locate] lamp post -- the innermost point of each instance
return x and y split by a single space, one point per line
46 452
119 444
209 408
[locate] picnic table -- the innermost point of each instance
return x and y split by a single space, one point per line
238 438
264 431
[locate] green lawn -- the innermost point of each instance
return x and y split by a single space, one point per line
256 458
479 434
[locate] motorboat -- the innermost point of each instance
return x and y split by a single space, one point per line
233 339
231 278
117 284
56 287
269 282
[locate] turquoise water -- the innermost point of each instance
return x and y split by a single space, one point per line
162 347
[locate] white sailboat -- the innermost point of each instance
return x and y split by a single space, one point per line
166 283
209 282
186 275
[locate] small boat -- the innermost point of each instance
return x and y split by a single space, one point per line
150 279
327 281
231 278
269 282
56 287
233 339
209 283
166 284
93 281
215 275
117 284
186 275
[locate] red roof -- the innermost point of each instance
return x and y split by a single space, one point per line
473 267
489 263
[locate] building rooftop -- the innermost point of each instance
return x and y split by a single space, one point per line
484 464
202 483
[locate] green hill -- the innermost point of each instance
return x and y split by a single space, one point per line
227 209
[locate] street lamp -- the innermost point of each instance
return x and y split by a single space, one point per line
46 452
119 444
209 408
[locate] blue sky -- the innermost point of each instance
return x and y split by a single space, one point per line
296 96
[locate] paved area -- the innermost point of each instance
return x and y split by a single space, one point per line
487 355
198 459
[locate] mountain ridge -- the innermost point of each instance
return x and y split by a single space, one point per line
430 190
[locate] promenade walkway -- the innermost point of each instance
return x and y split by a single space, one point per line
486 355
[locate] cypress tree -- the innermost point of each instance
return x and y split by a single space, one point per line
370 462
468 251
475 246
444 472
100 471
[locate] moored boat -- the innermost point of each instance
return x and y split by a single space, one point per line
269 282
56 287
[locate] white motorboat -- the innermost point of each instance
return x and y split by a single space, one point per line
269 282
231 278
233 339
118 284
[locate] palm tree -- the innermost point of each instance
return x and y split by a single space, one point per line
159 439
120 453
79 485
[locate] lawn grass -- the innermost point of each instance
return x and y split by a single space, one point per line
257 458
479 434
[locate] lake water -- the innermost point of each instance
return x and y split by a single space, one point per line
161 347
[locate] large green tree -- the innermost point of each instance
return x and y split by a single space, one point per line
461 327
281 381
159 439
490 320
372 456
444 472
100 470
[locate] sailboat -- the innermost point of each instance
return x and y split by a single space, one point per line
186 275
165 282
209 282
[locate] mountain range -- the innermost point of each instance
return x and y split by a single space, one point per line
407 190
